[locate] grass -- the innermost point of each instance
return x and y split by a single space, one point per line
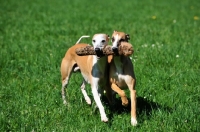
34 36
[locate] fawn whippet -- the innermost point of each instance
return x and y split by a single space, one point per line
93 68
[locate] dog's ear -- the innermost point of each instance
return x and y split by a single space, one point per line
127 37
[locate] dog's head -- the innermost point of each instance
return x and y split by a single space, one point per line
117 38
99 41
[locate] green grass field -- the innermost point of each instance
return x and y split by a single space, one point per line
34 36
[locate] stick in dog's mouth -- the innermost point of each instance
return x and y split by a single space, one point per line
124 49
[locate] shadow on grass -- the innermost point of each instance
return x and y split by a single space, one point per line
144 108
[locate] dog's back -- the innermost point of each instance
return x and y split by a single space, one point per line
71 59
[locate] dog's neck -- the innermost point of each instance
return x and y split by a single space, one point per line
99 65
99 60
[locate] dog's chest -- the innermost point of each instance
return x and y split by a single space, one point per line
120 79
99 71
99 67
119 67
117 73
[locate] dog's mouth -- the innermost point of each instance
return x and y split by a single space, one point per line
115 50
99 53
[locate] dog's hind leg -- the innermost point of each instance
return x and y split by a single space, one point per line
87 99
64 84
66 69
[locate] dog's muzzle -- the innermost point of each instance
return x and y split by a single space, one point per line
97 49
99 52
115 50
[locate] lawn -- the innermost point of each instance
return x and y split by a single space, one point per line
34 36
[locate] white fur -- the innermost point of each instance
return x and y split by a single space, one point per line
114 44
133 121
98 41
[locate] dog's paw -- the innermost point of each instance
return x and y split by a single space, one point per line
88 100
104 119
64 102
124 101
133 121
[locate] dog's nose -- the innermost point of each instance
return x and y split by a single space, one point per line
99 52
115 49
97 49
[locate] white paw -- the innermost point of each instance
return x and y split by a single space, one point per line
133 121
88 100
104 119
64 102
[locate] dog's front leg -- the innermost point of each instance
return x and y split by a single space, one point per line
96 96
121 94
133 107
131 87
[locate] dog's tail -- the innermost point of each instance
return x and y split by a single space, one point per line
85 36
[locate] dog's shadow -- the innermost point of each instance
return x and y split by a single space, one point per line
144 108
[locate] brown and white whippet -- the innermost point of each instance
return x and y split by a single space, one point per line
122 73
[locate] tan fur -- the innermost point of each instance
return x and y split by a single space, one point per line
73 58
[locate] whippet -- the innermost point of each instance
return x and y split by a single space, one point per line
122 74
93 69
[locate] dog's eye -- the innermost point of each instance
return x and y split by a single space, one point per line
122 40
103 41
94 41
113 39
